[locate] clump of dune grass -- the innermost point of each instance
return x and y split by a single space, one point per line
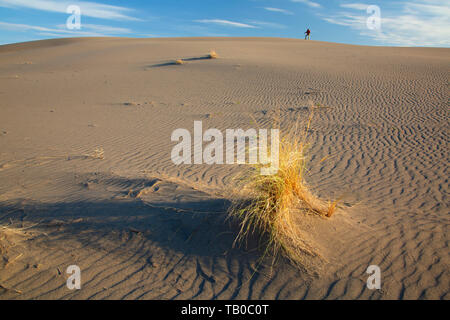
273 204
9 238
213 54
98 153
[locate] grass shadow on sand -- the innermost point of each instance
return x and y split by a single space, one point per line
188 229
132 227
174 62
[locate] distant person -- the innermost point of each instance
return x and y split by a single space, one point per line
307 34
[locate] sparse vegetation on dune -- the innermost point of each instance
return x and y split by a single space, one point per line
213 54
270 205
97 153
10 237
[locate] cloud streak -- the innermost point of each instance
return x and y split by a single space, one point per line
226 23
278 10
356 6
265 24
416 23
91 30
89 9
309 3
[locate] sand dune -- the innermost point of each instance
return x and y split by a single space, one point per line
86 176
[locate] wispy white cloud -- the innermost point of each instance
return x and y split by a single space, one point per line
356 6
60 30
226 23
103 29
265 24
44 30
89 9
278 10
414 23
439 8
308 3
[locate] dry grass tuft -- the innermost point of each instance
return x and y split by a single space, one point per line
213 54
10 237
98 153
273 204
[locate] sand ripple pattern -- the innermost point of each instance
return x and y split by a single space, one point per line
142 228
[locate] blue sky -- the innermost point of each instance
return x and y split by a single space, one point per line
402 22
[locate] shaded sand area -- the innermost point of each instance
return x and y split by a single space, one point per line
86 177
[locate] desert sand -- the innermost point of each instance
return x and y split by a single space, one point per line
86 177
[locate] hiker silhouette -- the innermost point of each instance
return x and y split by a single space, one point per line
307 34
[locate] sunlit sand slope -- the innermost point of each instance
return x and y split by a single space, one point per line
86 177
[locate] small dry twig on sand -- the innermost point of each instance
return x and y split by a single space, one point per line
10 289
